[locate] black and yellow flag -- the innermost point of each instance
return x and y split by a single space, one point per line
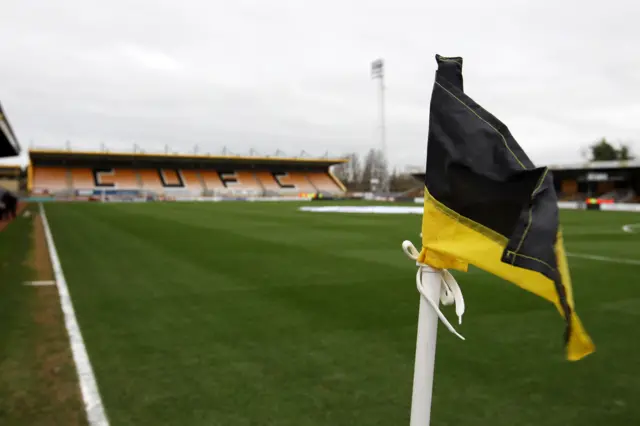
486 204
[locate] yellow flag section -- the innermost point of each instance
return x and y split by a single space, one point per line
451 241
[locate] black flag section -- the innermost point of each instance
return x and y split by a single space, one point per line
478 177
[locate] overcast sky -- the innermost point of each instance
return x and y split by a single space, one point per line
295 75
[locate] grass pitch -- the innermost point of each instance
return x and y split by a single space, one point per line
258 314
38 381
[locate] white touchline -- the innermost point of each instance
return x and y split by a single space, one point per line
92 402
605 259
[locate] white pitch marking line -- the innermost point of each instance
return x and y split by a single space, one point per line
92 402
604 258
39 283
365 209
630 228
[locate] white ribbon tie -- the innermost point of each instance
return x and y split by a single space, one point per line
450 292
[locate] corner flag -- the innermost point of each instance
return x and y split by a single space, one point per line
486 204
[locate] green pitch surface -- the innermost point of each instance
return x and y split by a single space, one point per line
258 314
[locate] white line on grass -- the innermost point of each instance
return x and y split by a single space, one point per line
92 402
585 231
632 228
39 283
604 258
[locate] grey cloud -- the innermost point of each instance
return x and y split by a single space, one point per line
295 75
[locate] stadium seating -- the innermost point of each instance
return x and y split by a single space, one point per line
59 179
296 181
620 195
117 178
82 178
576 196
150 179
322 181
212 181
51 179
268 181
192 180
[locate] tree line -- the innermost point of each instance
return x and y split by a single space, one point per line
359 171
603 150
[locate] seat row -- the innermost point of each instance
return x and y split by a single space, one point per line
54 179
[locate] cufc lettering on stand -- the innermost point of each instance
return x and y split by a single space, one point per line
98 174
227 177
281 178
171 178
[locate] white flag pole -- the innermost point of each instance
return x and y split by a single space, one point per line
425 349
434 286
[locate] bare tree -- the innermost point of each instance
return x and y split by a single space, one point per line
350 173
393 180
358 172
367 170
374 170
355 168
381 171
341 171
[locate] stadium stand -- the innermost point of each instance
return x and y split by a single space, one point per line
9 175
617 181
64 172
9 146
268 181
11 178
246 180
321 181
51 179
